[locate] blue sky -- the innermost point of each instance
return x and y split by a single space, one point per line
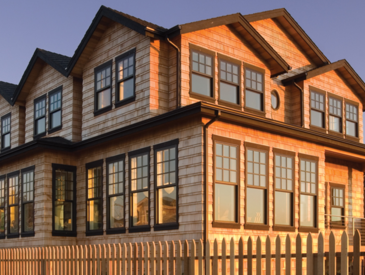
337 27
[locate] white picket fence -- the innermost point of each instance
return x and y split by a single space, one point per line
163 258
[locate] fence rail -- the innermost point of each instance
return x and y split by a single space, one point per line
176 258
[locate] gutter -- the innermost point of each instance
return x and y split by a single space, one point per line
178 81
301 103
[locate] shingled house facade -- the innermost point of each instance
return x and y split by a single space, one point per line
232 126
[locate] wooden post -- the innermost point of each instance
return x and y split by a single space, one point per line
332 255
135 255
178 258
249 256
258 256
268 255
224 257
357 245
153 257
146 257
171 259
310 268
192 258
298 251
278 255
231 257
344 254
129 258
287 255
240 256
158 259
165 258
186 257
215 258
320 255
140 259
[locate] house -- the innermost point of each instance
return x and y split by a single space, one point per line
230 126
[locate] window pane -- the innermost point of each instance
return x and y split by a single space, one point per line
126 89
253 100
6 141
94 215
140 209
317 118
225 203
334 124
2 221
56 119
63 216
14 220
274 100
307 210
28 217
104 99
255 205
351 128
201 85
283 208
229 93
167 205
336 212
116 212
41 126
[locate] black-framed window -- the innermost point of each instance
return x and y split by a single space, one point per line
139 169
166 185
55 110
94 198
202 73
254 87
5 131
125 77
27 201
318 109
40 116
284 189
337 205
335 114
115 194
351 120
103 88
308 192
64 200
13 205
229 82
2 206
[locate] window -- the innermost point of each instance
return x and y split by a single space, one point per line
254 83
284 188
256 185
94 198
103 90
337 205
139 190
5 131
275 101
2 207
55 110
13 205
229 82
64 200
335 114
226 179
317 109
125 71
166 178
202 73
308 192
115 194
28 202
351 120
40 116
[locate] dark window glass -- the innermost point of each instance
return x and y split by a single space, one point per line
13 205
254 90
40 116
335 115
125 76
2 205
202 73
337 205
5 131
229 82
351 120
103 86
308 189
55 106
317 109
94 199
28 201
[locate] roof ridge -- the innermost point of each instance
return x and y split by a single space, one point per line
46 51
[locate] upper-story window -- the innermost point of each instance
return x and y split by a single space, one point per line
229 82
103 90
202 73
40 116
5 131
55 110
318 109
125 78
335 114
254 84
351 120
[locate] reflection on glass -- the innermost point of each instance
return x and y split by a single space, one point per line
306 210
274 100
253 100
201 85
336 212
2 221
228 92
167 205
104 99
126 89
63 216
255 205
116 214
317 119
351 128
140 208
224 202
14 220
283 208
28 217
94 215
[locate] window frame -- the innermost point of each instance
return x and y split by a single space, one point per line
67 168
108 161
4 134
132 154
96 91
263 103
50 113
159 147
342 126
91 165
206 52
22 172
234 143
123 56
342 223
3 178
35 130
355 104
287 154
324 112
8 176
266 149
301 228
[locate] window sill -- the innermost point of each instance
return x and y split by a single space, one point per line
257 226
229 104
5 149
115 231
64 233
139 229
94 233
12 236
39 136
318 129
254 111
171 226
55 129
102 111
125 101
27 234
356 139
226 225
283 228
202 97
308 229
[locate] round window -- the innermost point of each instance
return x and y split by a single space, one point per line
274 100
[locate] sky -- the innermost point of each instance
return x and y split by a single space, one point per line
337 27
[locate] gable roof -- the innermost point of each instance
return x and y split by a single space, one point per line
283 17
7 91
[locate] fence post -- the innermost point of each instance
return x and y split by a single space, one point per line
268 255
232 257
298 260
287 255
207 258
153 256
240 256
258 256
357 244
344 254
186 257
320 255
249 256
224 257
200 257
309 254
215 258
146 256
165 261
140 260
332 256
178 258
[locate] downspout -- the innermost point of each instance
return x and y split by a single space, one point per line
177 72
206 126
301 103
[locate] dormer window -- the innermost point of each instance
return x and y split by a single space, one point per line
125 78
40 116
103 91
5 131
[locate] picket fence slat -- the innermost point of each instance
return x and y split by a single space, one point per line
200 257
310 268
287 255
357 244
207 258
258 256
224 257
249 256
277 256
215 258
298 258
179 258
332 257
320 255
231 257
344 253
240 257
192 258
268 255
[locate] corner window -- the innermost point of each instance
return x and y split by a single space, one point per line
139 190
55 110
229 82
40 116
28 202
115 194
337 205
2 207
254 84
64 200
13 205
125 77
202 73
103 91
351 120
94 198
5 131
166 178
335 114
317 109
